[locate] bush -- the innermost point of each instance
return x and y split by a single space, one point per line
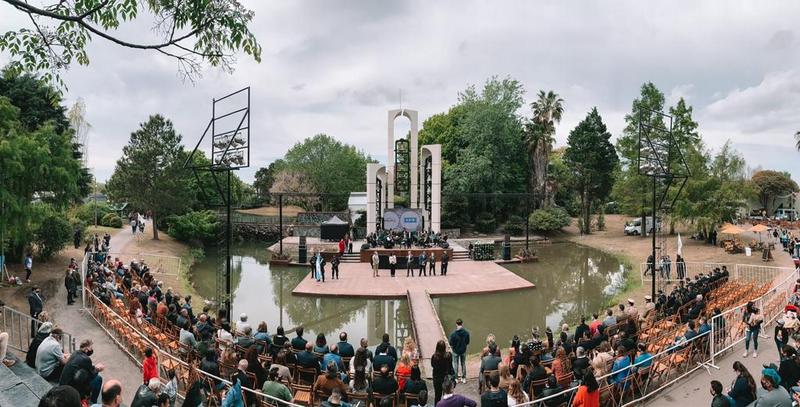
111 220
515 225
194 226
548 220
53 234
86 212
485 223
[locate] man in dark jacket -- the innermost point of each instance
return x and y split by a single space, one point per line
383 384
495 397
445 260
459 340
298 343
147 394
36 304
386 347
81 360
345 349
308 359
246 382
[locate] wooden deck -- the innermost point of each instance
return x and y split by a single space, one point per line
463 277
427 327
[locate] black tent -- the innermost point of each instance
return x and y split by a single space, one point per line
333 229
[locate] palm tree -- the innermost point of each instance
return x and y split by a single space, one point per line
797 140
539 137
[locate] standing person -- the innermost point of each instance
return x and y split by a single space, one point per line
432 263
442 364
781 336
445 259
743 390
335 267
341 246
650 265
28 267
36 304
149 366
69 284
423 261
459 340
376 261
409 261
392 263
319 267
680 266
752 319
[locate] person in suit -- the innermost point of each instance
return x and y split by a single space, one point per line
392 263
36 305
375 264
345 348
432 263
245 381
422 262
409 261
445 259
335 267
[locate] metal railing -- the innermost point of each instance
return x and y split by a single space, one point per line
727 331
133 332
19 326
692 269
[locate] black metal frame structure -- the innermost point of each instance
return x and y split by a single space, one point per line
402 168
230 151
661 160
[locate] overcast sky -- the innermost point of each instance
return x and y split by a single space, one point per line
335 67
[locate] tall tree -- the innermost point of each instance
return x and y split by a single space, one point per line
797 140
591 158
771 184
331 166
539 137
264 178
191 32
150 175
630 188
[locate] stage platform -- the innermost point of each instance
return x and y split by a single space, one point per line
463 277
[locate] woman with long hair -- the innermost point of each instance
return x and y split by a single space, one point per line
410 349
588 394
743 390
442 363
361 360
560 363
402 371
321 345
505 376
515 394
753 320
254 366
359 383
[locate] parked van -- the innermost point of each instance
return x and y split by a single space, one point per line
785 214
634 226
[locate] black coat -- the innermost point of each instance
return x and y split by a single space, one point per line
77 361
36 304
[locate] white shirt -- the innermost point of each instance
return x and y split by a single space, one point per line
242 325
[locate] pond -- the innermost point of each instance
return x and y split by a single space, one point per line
571 280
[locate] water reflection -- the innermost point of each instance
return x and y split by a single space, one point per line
571 280
265 293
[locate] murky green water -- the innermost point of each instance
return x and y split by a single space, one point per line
570 279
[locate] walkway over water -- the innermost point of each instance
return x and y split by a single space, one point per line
426 322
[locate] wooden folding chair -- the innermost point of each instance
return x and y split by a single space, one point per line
302 394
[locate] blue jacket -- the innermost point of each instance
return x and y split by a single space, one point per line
459 340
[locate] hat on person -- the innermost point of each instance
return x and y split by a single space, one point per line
648 298
630 301
45 328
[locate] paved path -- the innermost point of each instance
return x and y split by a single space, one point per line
463 277
427 327
73 320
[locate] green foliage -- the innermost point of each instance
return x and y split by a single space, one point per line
601 219
111 220
194 226
53 234
86 212
329 165
264 178
485 223
771 184
361 222
150 174
591 159
549 220
515 225
211 32
539 137
204 193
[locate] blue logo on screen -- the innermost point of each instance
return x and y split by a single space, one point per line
410 220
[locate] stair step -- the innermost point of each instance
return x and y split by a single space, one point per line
20 384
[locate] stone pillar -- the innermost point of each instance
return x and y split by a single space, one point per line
436 186
373 170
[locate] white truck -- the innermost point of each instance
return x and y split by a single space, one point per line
634 226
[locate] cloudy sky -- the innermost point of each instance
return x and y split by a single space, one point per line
335 67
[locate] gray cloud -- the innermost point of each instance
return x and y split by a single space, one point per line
336 67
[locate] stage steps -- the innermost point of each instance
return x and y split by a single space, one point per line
350 258
20 385
460 254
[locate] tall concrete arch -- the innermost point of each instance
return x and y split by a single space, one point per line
413 117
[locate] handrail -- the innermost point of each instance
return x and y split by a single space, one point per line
24 323
158 351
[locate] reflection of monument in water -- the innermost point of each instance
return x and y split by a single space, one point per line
414 173
387 316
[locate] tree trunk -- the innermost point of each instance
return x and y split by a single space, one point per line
587 226
155 229
540 158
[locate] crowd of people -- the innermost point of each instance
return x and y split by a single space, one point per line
389 239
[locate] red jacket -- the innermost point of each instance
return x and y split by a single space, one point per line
150 368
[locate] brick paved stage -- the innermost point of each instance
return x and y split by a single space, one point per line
463 277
